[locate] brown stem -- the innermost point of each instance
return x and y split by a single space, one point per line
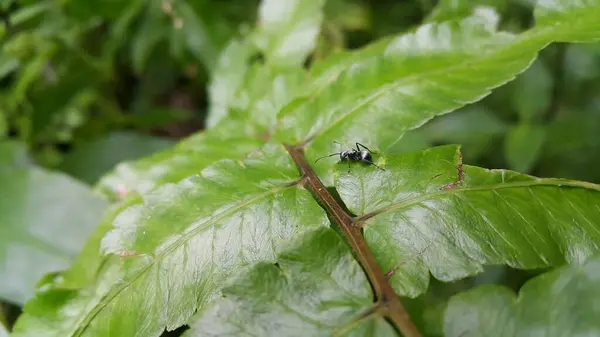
386 298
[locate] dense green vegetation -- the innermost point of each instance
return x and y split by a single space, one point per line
158 174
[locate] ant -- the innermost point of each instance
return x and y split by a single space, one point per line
354 155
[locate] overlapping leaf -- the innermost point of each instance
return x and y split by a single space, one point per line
564 302
65 297
316 289
434 70
185 240
568 21
256 92
455 9
256 88
288 30
419 75
493 217
44 219
90 160
231 139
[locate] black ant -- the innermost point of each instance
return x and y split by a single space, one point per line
354 155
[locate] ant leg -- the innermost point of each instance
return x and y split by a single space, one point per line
348 160
366 148
372 163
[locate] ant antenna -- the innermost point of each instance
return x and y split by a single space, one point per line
372 163
331 155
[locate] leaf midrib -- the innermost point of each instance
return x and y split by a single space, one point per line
107 298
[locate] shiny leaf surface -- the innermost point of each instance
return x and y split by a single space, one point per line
192 237
568 21
316 289
256 76
457 9
563 302
170 255
288 30
254 93
417 76
413 221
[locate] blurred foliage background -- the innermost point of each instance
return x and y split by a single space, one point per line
85 84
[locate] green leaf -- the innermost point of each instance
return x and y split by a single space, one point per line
253 92
201 29
563 302
95 9
419 75
29 73
29 12
492 217
121 30
230 139
532 92
230 217
90 161
288 30
570 140
474 127
170 256
257 90
227 79
458 9
3 125
568 21
348 14
76 288
45 218
8 64
150 32
316 289
523 146
41 318
88 263
13 154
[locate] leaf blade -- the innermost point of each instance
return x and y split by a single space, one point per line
316 288
223 235
418 76
410 221
288 30
560 302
